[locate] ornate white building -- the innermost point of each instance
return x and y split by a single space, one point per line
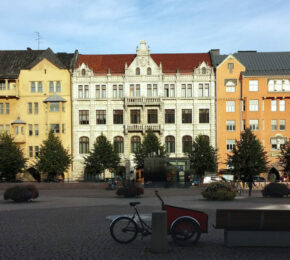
122 96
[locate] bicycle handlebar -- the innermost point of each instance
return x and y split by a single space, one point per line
159 197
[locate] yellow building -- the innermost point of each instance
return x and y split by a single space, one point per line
35 96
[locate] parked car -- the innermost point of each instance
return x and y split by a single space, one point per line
210 179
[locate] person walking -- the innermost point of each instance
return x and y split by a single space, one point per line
250 183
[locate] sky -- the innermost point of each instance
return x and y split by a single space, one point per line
168 26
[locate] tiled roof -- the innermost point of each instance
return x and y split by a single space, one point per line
54 98
184 62
11 62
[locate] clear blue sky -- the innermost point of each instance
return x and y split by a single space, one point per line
168 26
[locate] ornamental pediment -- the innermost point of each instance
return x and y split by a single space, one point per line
83 71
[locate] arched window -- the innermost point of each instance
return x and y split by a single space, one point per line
203 70
119 144
135 143
149 71
83 72
206 137
137 71
186 144
84 144
170 144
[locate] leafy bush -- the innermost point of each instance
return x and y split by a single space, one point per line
130 189
21 193
278 190
219 191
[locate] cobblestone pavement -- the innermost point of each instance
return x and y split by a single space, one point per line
71 224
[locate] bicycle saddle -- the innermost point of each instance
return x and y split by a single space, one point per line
134 203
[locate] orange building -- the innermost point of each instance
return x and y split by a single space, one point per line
252 91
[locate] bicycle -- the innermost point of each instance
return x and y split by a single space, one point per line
184 225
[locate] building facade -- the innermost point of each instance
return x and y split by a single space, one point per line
35 97
122 96
253 91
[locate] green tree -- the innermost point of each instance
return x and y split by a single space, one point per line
248 157
53 158
12 160
102 157
203 156
285 157
150 147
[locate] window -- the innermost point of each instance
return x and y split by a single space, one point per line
149 90
32 87
54 128
172 90
121 91
253 85
2 85
81 91
273 105
7 108
84 117
149 71
36 131
36 108
138 93
103 91
100 117
286 85
282 123
1 108
186 144
137 71
230 67
230 144
155 90
58 86
203 90
204 116
115 91
98 91
278 85
203 70
54 86
277 142
183 90
30 151
166 90
169 116
271 85
83 72
186 116
36 150
54 107
84 144
8 128
29 108
135 116
170 144
152 116
132 90
230 106
282 105
118 116
63 128
254 105
254 124
30 130
135 144
274 125
231 125
230 86
189 90
119 144
51 86
243 124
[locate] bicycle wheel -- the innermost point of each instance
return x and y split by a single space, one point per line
124 230
185 232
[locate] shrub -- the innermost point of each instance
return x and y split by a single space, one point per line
277 190
21 193
219 191
130 189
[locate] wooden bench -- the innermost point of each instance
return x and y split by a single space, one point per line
254 227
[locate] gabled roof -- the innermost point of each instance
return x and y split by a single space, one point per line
184 62
18 121
11 62
260 63
54 98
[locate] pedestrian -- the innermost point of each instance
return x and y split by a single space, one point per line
250 185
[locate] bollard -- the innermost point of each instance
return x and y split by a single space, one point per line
159 243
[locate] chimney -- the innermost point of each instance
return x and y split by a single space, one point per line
214 52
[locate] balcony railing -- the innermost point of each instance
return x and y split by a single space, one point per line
142 128
143 101
8 93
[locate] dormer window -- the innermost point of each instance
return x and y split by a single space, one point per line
230 67
149 71
203 70
137 71
83 72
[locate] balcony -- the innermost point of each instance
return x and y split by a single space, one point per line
142 128
19 139
8 93
143 101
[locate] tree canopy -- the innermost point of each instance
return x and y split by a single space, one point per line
53 158
12 160
285 157
203 156
248 157
102 157
149 147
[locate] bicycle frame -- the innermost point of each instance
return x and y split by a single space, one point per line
143 228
